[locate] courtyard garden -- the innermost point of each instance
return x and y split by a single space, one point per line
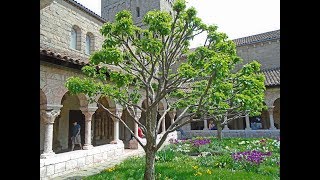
206 158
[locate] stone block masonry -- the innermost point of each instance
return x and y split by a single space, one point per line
75 160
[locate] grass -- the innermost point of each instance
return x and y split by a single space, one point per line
183 167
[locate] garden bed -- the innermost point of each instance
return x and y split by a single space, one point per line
231 158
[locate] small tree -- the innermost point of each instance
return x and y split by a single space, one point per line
145 59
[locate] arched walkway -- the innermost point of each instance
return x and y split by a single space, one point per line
70 112
102 123
276 113
124 133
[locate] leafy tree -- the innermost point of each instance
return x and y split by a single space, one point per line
145 59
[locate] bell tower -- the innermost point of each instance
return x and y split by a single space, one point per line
138 8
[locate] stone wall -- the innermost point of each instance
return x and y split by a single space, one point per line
232 133
271 95
52 81
267 53
56 22
75 160
68 162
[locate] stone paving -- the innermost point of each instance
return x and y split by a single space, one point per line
96 168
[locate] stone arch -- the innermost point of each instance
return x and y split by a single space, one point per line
102 123
265 121
43 100
276 113
71 111
124 133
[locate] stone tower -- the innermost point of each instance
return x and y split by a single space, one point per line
138 8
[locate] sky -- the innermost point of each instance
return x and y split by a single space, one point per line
236 18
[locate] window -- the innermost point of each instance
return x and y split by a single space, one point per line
88 44
138 11
73 43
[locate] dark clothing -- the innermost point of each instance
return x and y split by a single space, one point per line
76 139
75 130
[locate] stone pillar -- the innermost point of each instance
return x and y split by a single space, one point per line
88 112
118 113
270 110
247 123
172 114
137 117
205 125
226 125
96 128
48 116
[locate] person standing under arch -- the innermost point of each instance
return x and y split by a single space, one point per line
76 138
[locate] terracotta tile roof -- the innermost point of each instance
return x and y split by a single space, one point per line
63 56
83 8
272 76
69 57
267 36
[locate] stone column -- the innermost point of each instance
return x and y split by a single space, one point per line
172 114
226 125
137 117
88 112
270 110
163 124
48 116
205 125
118 113
96 128
247 123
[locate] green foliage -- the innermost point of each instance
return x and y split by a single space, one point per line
178 166
133 60
165 155
159 22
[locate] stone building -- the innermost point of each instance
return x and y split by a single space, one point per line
69 33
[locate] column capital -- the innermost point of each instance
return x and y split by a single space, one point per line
270 108
88 112
117 112
49 116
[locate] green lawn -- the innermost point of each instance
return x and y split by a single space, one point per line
175 162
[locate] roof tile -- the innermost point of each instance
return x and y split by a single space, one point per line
257 38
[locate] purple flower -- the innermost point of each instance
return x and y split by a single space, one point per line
255 157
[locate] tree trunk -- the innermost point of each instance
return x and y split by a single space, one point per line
150 149
149 172
219 131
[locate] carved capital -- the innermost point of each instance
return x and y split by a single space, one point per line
270 109
48 116
88 112
117 112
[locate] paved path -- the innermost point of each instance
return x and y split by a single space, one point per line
96 168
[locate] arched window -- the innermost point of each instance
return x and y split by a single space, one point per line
75 40
138 11
88 44
73 43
